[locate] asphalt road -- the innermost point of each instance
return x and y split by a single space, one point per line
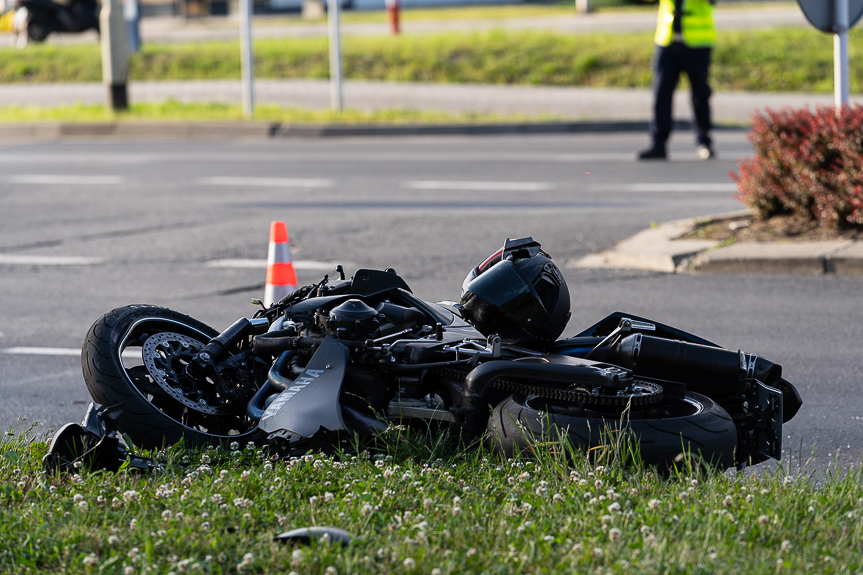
89 226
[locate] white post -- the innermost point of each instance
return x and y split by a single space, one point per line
583 6
335 56
115 53
247 58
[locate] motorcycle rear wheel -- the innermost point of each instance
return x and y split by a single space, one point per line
694 428
115 372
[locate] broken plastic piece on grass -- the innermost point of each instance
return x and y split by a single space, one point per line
94 444
305 535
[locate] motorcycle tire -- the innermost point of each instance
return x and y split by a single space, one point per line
694 428
151 418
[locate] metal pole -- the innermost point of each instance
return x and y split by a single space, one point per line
840 54
335 56
247 57
115 55
583 6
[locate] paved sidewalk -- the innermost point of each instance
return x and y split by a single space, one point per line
567 103
659 249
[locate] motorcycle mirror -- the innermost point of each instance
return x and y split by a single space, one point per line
305 535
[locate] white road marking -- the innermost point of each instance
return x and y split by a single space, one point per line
64 351
30 260
479 186
262 264
266 182
65 180
679 187
61 352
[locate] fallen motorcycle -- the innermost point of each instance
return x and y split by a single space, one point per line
349 356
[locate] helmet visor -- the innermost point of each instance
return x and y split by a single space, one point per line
503 293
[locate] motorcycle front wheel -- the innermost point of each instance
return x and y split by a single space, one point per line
136 356
663 435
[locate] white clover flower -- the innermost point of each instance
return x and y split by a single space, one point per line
653 504
77 498
456 500
785 546
683 495
470 552
367 509
409 563
526 507
130 496
90 560
83 505
113 540
557 497
223 473
205 459
788 481
328 496
693 482
436 571
598 483
763 520
234 446
167 515
578 548
598 552
128 570
750 498
133 524
331 570
525 476
574 475
216 498
728 501
205 526
605 520
593 501
614 508
313 500
614 534
133 553
456 511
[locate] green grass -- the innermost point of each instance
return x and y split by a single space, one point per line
751 60
421 506
172 110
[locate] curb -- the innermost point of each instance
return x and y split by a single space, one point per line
659 249
264 130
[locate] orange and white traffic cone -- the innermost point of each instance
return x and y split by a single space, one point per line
281 277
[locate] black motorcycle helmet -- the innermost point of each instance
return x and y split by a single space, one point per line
519 294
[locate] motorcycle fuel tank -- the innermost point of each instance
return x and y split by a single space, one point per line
312 402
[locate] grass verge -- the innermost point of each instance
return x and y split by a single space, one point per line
172 110
420 505
745 60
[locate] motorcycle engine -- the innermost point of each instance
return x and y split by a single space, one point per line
352 319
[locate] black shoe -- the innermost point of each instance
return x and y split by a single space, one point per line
705 152
651 154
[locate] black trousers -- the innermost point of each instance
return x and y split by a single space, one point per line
668 62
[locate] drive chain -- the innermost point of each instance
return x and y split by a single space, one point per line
649 393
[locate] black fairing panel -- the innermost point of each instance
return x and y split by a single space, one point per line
606 325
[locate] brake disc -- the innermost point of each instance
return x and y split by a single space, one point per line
166 356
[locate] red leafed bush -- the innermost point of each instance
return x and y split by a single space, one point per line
807 163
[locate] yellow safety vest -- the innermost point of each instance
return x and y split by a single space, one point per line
697 24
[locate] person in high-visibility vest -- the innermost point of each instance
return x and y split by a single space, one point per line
684 41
